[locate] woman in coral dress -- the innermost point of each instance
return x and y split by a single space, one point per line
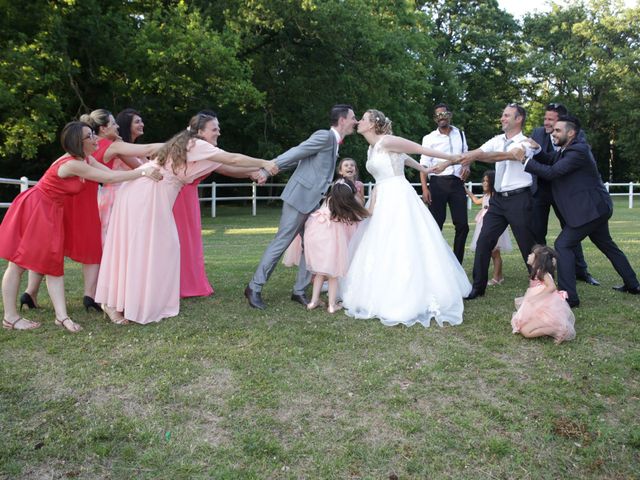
139 276
544 309
82 220
32 233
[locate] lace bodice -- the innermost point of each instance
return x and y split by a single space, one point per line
383 164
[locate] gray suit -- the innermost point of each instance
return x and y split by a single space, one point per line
316 160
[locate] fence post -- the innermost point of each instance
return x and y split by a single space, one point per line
630 194
254 199
213 199
24 184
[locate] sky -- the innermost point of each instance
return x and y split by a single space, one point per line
518 8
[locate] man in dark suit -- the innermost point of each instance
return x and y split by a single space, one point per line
541 188
585 205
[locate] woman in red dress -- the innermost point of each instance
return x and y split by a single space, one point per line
82 221
32 234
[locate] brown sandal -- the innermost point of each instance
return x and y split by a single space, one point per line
9 325
73 327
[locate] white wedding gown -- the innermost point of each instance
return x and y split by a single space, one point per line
402 270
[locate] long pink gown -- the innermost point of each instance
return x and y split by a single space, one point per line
186 211
542 309
140 268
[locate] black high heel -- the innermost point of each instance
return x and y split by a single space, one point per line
25 299
89 302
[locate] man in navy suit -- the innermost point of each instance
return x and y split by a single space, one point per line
541 188
585 205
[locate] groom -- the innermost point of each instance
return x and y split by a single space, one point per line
315 162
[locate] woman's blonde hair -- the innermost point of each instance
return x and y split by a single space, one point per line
96 119
177 147
381 124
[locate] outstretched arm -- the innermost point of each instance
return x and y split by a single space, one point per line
317 142
402 145
471 195
478 155
103 174
124 149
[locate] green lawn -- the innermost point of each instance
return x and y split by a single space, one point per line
224 391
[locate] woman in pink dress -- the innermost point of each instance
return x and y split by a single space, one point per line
544 309
32 233
139 276
82 218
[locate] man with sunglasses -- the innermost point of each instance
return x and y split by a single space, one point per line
447 187
541 188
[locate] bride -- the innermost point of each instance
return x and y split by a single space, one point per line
402 270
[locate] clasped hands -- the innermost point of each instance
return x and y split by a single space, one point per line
262 175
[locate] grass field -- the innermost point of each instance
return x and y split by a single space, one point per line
227 392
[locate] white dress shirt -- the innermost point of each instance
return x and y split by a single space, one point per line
453 144
510 171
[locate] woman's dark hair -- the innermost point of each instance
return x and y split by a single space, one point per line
491 176
177 147
124 120
544 261
343 204
71 138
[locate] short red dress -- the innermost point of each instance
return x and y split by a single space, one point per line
32 232
82 227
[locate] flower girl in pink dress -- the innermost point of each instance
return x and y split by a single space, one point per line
326 240
504 242
543 310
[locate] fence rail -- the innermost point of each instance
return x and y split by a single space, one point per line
256 192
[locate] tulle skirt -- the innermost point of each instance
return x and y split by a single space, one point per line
402 270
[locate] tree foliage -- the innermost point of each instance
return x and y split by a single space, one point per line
273 68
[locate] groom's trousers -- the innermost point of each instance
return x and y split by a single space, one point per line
291 223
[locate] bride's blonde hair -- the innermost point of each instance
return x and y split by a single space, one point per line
381 124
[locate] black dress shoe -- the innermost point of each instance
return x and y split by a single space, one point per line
631 290
254 298
573 303
300 298
474 293
587 278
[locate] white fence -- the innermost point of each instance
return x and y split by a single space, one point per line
260 193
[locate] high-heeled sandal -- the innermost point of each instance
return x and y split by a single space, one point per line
9 325
493 281
25 299
114 315
314 305
69 325
334 308
89 302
